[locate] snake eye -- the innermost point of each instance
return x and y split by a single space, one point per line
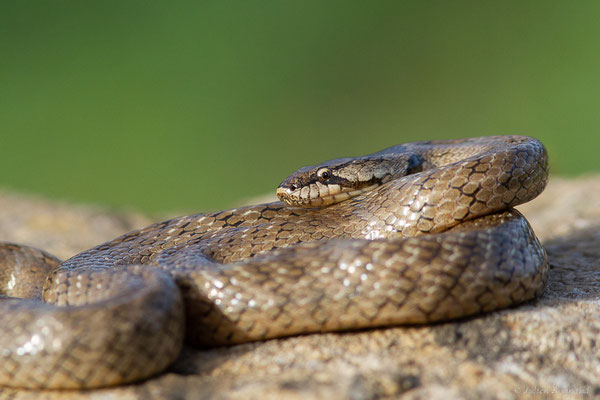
293 187
324 174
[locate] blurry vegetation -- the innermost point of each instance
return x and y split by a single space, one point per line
197 104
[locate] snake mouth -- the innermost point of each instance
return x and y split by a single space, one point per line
294 198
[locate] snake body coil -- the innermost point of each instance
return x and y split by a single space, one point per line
116 313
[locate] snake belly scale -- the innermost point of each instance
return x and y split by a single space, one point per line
440 240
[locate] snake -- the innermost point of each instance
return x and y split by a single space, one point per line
418 233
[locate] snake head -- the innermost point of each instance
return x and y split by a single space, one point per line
343 178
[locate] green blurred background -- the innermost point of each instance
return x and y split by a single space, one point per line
198 104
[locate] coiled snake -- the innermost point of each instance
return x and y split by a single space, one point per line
275 269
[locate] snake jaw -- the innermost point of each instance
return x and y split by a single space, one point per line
285 195
329 194
292 197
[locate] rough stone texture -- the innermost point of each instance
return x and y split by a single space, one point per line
60 228
547 348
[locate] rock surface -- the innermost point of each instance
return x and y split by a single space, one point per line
548 348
